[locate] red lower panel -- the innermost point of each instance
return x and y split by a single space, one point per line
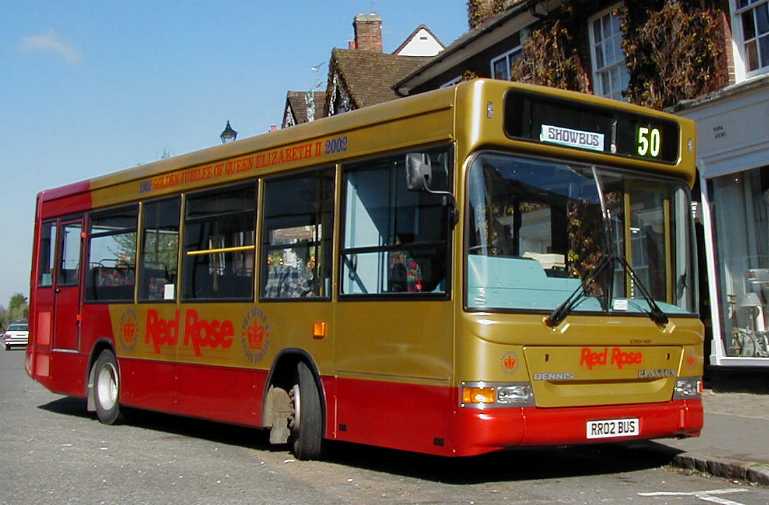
232 395
400 416
67 373
477 432
147 384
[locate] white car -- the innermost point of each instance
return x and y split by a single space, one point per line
16 334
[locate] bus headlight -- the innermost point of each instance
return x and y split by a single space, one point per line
482 395
688 388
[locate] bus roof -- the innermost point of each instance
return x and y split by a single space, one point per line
413 106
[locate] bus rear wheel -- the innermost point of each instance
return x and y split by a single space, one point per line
107 388
306 420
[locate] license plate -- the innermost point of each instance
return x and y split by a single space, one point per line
612 428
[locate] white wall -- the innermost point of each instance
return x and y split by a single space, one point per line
421 44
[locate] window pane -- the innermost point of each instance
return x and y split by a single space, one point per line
606 28
404 232
764 44
409 270
605 83
752 53
160 247
762 18
218 222
114 220
112 255
611 55
597 31
615 26
599 60
47 254
748 26
500 69
298 226
69 267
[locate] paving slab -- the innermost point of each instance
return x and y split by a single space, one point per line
735 438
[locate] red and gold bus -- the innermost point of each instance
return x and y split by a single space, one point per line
472 269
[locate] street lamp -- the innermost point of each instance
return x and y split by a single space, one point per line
228 134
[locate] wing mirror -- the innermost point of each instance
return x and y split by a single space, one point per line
419 173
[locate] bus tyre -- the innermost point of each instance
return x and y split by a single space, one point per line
306 416
107 388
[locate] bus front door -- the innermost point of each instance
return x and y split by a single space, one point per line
66 314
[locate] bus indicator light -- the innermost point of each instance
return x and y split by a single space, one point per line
479 395
319 330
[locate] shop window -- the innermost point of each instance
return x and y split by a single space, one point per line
112 255
298 225
69 264
754 24
219 244
742 241
47 253
610 75
395 240
160 248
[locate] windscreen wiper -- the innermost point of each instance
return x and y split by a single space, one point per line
560 312
655 312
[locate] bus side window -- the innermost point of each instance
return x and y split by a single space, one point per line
47 253
395 240
219 244
160 248
112 255
298 226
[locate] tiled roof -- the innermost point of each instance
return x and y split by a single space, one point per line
298 103
369 77
513 8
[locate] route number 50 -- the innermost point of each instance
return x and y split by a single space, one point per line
648 141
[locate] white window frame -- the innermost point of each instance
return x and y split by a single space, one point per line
507 55
596 72
741 71
452 82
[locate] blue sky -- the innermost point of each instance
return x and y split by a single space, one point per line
87 88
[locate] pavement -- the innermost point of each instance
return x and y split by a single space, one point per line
735 438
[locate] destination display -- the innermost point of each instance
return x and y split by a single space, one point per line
550 120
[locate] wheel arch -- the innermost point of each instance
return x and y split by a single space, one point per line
282 374
100 345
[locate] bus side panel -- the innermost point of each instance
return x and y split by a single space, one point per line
147 384
411 417
67 373
226 394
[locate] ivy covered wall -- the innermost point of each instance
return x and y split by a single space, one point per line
674 49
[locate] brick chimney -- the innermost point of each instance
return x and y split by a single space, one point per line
368 32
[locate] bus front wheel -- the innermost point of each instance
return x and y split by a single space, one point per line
107 387
306 416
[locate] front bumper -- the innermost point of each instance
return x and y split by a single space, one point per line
481 431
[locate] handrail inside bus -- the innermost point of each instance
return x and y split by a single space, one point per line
222 250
